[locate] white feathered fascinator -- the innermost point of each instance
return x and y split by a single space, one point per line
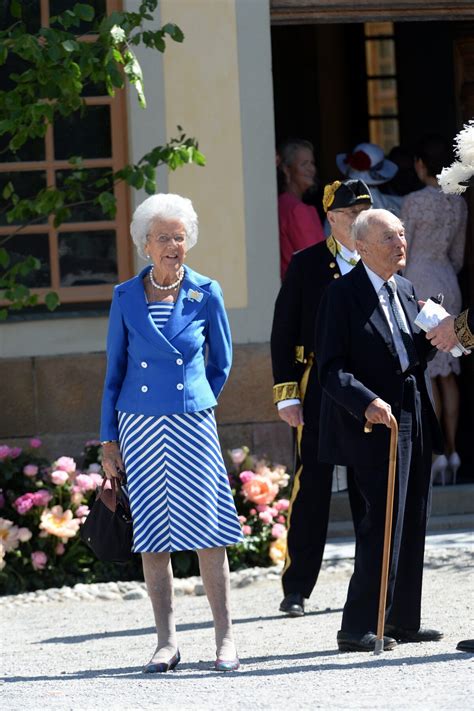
460 174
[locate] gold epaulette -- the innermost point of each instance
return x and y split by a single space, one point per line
285 391
463 332
331 245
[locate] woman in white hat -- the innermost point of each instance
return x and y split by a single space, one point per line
367 162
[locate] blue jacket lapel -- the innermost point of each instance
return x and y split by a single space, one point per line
134 307
191 299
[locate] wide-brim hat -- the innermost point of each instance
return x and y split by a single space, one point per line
367 162
347 193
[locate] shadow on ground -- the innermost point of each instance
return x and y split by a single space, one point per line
195 671
77 639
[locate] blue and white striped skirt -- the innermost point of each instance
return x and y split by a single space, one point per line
179 492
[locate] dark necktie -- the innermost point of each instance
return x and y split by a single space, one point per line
405 334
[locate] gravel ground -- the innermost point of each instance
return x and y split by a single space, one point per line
88 654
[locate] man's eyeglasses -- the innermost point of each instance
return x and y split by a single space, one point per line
350 212
166 239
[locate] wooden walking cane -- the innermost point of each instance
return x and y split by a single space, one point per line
392 469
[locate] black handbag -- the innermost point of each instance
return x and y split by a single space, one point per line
107 529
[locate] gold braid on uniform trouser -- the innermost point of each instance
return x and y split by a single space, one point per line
299 434
463 333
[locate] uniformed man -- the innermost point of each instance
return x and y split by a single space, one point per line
297 393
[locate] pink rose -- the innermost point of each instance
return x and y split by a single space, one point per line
24 534
39 560
15 452
24 503
4 451
253 512
278 531
76 496
42 497
60 548
242 519
85 482
97 479
262 507
35 443
30 470
246 530
59 477
265 516
246 476
281 519
66 464
82 511
282 504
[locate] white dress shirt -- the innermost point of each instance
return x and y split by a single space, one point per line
378 284
343 256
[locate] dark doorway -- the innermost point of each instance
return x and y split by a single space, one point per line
322 93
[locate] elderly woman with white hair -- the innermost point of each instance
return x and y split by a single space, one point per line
168 357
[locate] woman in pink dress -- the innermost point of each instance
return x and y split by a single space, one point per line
300 225
435 228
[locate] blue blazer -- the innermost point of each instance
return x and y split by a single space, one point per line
182 368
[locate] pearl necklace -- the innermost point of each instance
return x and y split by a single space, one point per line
170 287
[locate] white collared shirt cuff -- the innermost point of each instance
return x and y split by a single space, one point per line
286 403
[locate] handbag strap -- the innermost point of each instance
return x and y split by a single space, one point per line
114 486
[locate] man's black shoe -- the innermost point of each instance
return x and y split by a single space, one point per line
466 645
348 642
293 605
422 635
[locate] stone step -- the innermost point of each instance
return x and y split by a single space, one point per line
458 522
447 500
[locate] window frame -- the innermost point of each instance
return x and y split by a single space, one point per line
377 118
49 166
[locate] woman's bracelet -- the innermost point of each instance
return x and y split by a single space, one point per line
108 441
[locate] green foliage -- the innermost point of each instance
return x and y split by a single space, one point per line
54 68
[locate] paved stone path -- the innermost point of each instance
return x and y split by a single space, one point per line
87 654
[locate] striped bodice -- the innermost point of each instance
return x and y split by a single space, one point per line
160 311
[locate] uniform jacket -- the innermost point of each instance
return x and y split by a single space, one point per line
464 328
182 368
292 339
358 362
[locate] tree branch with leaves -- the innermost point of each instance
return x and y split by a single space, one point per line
58 63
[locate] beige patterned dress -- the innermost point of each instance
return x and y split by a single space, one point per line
435 228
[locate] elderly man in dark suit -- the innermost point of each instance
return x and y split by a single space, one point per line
371 363
297 393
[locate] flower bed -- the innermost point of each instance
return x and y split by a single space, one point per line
43 505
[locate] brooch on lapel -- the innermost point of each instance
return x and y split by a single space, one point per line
194 295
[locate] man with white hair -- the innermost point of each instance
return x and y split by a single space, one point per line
372 363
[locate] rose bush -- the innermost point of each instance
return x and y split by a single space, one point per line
43 505
260 492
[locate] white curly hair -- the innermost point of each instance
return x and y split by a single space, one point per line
163 206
